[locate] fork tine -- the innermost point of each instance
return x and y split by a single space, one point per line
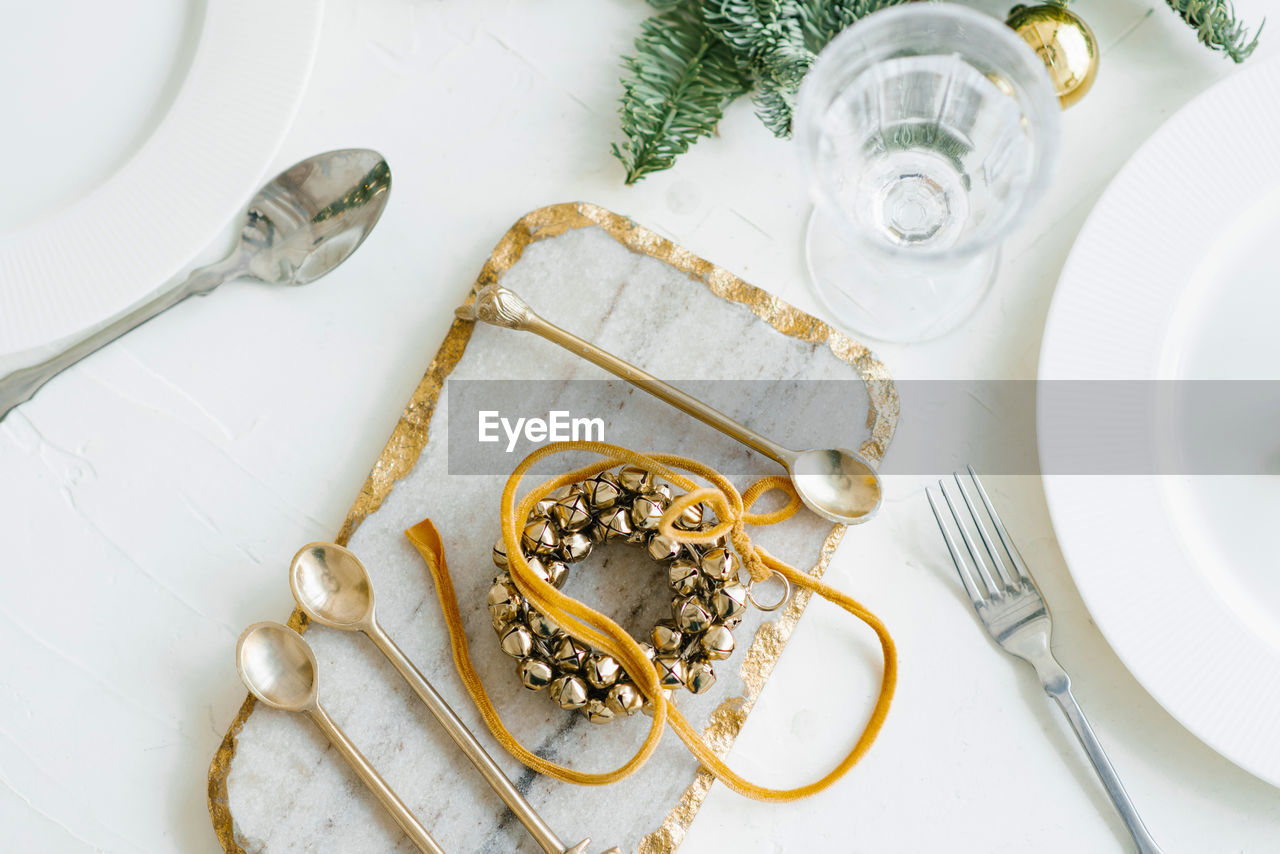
962 569
979 565
1014 555
993 551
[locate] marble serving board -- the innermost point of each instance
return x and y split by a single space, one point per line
276 786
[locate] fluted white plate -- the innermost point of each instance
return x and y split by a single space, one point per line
1176 276
133 133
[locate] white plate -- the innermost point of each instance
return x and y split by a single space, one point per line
1176 276
133 133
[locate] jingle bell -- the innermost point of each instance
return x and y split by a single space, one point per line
598 712
670 671
540 537
538 567
535 674
542 627
570 655
690 519
602 491
717 643
571 513
517 641
699 676
557 572
616 523
690 614
596 532
504 603
500 553
635 479
684 577
570 692
601 671
575 547
666 637
730 600
663 549
544 505
647 510
624 699
720 564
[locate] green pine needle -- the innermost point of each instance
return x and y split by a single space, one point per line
824 19
774 106
676 89
768 38
1217 27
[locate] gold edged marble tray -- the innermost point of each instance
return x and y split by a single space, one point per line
411 436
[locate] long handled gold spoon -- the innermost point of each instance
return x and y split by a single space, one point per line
836 483
279 668
332 587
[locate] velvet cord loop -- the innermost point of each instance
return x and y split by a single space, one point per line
732 511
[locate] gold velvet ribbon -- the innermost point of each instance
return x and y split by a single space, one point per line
732 510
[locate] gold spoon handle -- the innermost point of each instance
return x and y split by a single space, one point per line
499 306
457 730
407 821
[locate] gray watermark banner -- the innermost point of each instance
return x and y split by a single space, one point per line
1119 427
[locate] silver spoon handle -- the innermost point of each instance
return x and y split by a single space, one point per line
457 730
19 386
407 821
499 306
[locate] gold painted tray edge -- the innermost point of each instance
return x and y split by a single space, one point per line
410 437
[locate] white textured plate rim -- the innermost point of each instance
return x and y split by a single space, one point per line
119 243
1167 625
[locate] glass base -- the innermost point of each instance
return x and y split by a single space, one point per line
895 300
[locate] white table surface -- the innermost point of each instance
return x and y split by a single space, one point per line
153 495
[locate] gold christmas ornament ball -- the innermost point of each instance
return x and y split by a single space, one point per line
1065 44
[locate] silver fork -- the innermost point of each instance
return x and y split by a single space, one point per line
1015 615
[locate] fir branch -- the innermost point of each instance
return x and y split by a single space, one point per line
755 28
775 106
824 19
1217 27
768 39
677 86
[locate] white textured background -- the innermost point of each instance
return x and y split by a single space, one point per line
152 495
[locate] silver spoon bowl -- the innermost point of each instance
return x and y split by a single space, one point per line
300 225
279 668
332 587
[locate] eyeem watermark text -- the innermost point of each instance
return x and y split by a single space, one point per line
558 426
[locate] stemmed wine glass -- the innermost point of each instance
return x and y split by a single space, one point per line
927 132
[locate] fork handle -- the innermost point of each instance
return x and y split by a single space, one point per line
1058 686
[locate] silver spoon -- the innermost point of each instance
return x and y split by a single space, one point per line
837 484
332 587
303 223
279 668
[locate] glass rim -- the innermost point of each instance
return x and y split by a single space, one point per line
1032 89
